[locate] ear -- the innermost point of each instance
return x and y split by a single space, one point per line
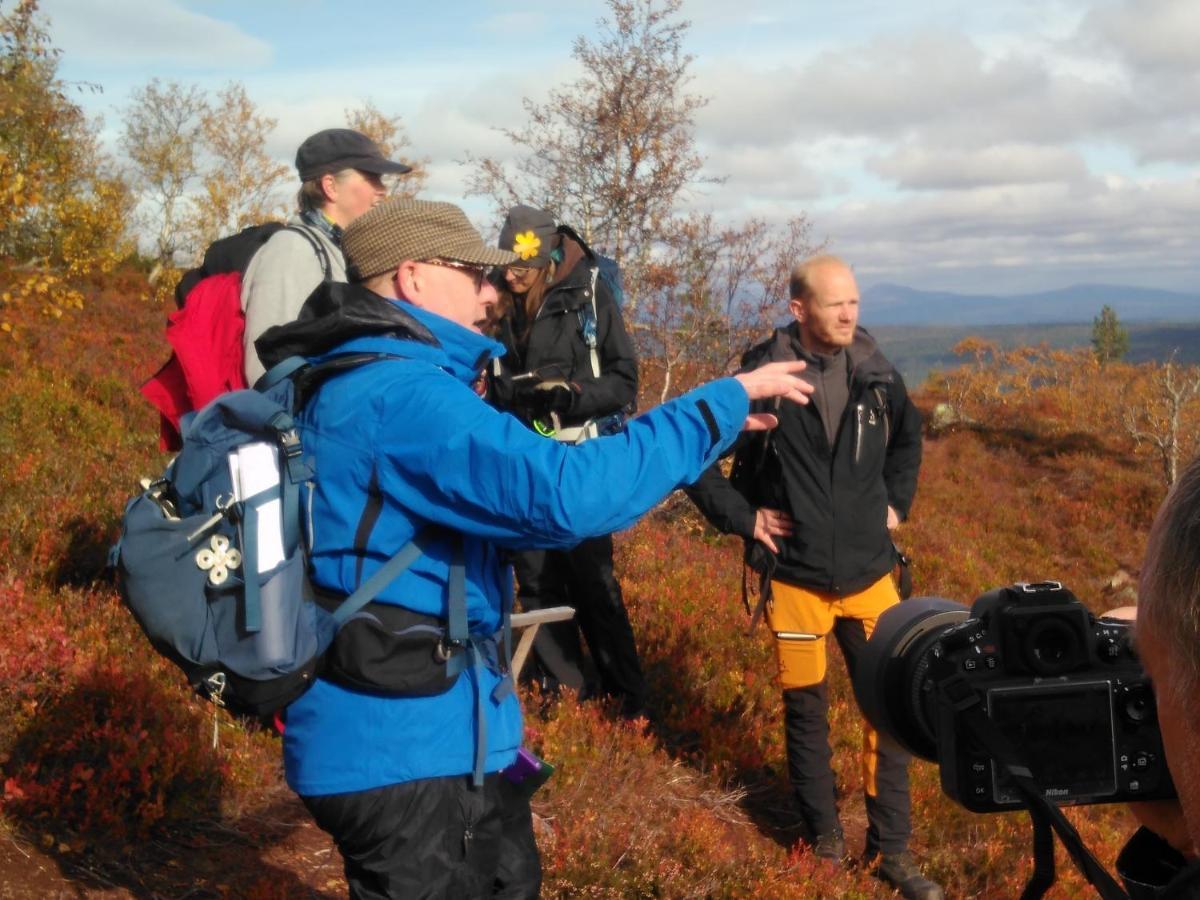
409 281
329 186
796 308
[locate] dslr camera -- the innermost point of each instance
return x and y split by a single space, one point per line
1064 688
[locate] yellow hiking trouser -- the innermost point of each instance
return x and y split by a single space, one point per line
801 620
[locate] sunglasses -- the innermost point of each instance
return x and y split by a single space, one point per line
477 272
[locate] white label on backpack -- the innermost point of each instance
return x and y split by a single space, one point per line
255 468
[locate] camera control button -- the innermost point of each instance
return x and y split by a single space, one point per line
990 662
970 665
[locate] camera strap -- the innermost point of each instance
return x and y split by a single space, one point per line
1044 814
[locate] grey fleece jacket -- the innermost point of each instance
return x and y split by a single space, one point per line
278 281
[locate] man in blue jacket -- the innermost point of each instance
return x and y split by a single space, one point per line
411 787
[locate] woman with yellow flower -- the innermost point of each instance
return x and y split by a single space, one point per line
571 374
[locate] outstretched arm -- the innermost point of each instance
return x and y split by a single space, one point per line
480 471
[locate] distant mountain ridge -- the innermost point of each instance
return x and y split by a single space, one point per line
896 304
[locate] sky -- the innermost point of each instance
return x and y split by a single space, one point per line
988 147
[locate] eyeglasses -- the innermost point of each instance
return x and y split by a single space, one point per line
477 272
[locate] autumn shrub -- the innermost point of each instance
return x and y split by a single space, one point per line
74 434
627 820
113 755
100 736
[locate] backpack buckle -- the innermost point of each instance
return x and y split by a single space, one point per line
445 649
289 443
215 685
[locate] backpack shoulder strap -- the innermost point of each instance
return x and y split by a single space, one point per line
318 248
279 372
385 575
309 379
589 324
885 409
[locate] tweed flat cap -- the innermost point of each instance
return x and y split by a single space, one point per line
400 229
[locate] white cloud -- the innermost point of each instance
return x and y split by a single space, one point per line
134 33
925 168
939 87
1151 35
988 146
1013 237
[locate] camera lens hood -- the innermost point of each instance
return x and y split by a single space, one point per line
888 677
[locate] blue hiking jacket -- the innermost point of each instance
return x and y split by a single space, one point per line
412 433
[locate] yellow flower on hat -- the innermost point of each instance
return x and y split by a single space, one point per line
526 245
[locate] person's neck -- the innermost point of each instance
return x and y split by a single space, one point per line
383 285
322 220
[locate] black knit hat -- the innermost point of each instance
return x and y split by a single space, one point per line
335 149
530 233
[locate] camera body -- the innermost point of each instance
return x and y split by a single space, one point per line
1065 689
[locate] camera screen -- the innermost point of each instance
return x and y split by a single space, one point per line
1066 733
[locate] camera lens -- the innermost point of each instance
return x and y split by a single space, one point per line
1053 647
890 681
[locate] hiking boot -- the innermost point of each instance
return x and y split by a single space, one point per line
831 846
901 872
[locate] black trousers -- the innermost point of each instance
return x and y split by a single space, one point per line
810 762
582 578
434 838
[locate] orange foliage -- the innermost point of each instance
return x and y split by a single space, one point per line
98 735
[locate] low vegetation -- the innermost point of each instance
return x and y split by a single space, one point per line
104 755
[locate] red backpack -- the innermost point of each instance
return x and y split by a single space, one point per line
206 333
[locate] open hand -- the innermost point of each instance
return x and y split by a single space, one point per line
769 524
778 379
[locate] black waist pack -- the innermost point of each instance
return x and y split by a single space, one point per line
390 650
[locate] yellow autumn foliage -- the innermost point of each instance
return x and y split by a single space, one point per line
62 211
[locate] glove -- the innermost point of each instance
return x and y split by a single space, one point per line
540 398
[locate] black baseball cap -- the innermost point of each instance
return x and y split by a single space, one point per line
335 149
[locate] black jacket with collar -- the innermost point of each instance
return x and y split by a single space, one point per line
837 496
555 347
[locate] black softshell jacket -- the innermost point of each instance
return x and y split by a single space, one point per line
556 347
837 496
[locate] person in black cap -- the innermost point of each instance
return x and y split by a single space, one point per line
570 373
341 174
